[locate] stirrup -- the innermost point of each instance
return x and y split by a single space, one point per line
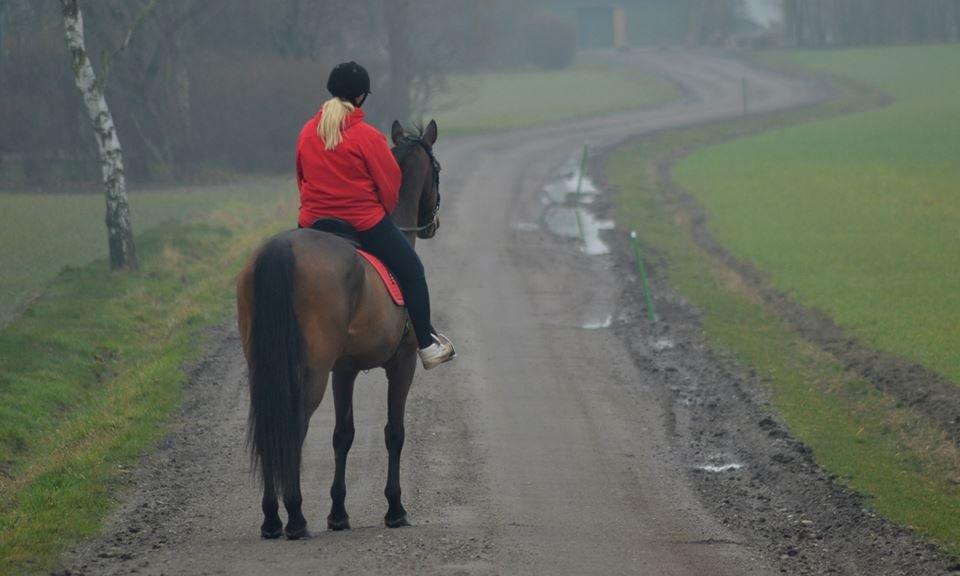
440 352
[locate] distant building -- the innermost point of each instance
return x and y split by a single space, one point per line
604 24
618 24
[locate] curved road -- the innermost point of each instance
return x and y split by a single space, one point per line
541 450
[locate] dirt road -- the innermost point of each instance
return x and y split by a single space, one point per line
544 449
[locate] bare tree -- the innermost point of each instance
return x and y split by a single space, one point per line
837 23
397 16
119 228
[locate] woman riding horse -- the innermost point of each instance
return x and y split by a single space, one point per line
309 305
346 171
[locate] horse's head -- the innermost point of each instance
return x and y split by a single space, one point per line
419 206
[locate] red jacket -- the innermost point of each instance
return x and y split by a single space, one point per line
358 181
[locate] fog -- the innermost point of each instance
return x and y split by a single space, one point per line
202 86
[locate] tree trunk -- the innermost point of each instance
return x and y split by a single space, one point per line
119 229
397 15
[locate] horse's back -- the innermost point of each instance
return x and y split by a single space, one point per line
344 311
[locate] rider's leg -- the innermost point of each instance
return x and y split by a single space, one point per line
387 242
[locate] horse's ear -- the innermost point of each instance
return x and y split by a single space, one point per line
396 132
430 134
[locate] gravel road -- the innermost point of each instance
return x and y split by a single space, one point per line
546 448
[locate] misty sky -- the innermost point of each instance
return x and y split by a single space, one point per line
764 12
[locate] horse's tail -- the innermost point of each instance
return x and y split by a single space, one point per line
276 423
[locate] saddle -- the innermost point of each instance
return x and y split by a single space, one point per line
349 234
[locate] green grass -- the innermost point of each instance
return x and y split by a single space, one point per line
856 216
42 233
92 370
908 469
506 100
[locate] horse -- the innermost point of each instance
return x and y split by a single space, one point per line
307 306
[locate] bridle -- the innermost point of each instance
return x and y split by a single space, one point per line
435 166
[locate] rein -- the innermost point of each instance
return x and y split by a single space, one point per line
435 164
436 216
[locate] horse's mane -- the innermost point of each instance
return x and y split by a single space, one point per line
415 133
412 137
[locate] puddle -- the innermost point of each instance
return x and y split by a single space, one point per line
568 222
559 190
719 469
565 211
662 345
526 226
599 324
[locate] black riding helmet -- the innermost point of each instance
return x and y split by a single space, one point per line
349 81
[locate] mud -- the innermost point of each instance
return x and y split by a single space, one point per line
779 499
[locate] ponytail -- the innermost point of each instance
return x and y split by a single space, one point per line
330 127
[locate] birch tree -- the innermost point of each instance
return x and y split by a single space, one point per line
119 229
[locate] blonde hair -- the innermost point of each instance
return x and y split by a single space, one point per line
330 127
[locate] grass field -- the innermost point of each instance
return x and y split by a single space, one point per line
840 211
92 370
42 233
505 100
856 216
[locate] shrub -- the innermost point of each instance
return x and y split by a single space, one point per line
247 112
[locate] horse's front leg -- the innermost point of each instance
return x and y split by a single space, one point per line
343 433
400 375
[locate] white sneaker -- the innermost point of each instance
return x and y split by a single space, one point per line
437 353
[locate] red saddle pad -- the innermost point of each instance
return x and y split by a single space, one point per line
388 279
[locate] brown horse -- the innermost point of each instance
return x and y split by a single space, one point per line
309 305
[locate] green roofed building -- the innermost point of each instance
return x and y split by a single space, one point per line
604 24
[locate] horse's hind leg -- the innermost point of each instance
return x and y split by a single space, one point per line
296 527
272 526
343 433
400 375
316 384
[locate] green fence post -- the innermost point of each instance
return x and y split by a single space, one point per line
647 296
743 87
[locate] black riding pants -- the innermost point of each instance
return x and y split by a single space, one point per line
387 242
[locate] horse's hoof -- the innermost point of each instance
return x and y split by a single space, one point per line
398 522
271 533
338 525
271 529
297 534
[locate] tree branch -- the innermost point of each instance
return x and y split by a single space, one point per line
108 58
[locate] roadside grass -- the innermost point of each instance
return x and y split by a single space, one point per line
42 233
905 466
496 101
856 216
92 370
